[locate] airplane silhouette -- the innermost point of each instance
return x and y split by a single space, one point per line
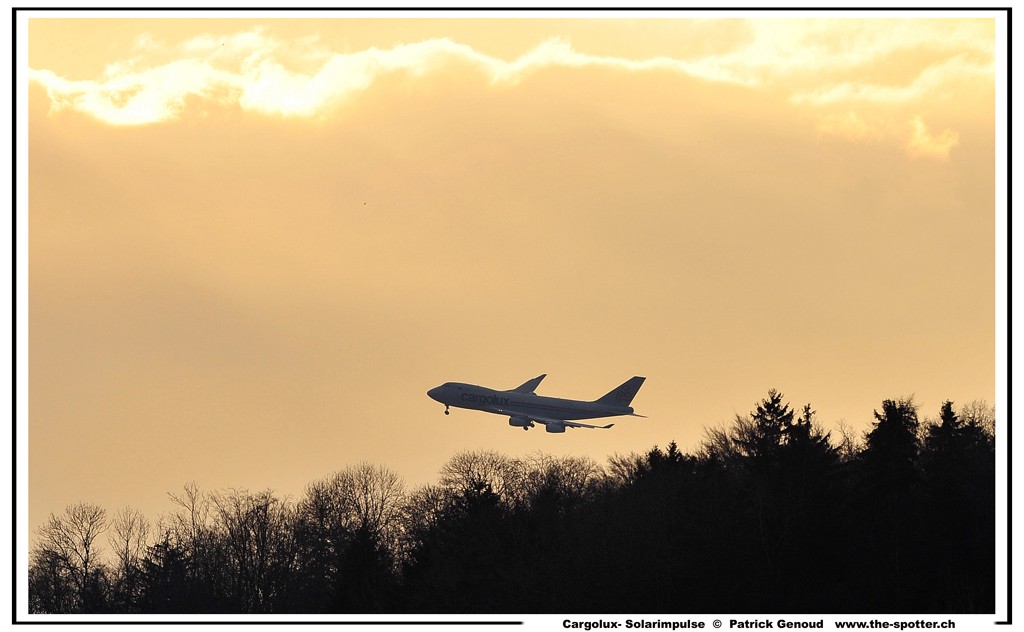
524 407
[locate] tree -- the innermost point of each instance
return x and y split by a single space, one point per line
469 471
778 469
352 517
167 585
256 530
366 581
462 556
68 558
560 483
128 541
807 454
767 515
981 414
50 587
851 444
762 439
958 463
943 436
195 544
892 444
888 506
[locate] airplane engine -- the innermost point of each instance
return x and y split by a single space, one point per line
520 422
555 428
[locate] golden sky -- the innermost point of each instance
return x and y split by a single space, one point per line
256 243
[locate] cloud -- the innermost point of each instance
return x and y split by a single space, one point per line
849 126
258 72
926 144
936 81
129 97
916 139
836 66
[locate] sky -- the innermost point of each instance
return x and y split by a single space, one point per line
254 244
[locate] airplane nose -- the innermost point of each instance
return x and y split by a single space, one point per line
434 393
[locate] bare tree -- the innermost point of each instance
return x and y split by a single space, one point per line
503 475
50 588
570 478
377 498
190 524
719 446
981 414
851 443
623 469
128 540
68 543
257 531
364 497
190 533
423 509
351 530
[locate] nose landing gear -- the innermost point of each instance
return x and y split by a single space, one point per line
446 409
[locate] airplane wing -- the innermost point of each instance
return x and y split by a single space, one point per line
576 424
549 420
529 386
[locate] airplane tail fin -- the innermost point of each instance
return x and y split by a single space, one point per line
622 395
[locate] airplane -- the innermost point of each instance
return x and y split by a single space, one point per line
524 407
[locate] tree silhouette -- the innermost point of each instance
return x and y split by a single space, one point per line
68 553
959 481
892 445
766 515
193 540
51 589
761 440
259 550
366 581
887 507
466 473
128 540
354 517
167 585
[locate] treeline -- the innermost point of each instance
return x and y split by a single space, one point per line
769 514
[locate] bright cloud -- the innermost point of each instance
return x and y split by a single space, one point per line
837 67
130 97
927 144
250 67
932 82
916 138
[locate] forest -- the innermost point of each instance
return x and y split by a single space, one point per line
768 514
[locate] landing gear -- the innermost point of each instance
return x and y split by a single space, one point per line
446 409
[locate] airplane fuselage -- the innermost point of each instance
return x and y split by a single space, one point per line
525 408
527 405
